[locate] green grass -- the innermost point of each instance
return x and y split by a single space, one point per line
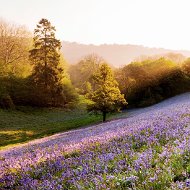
18 126
26 124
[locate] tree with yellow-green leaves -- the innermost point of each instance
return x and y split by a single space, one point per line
107 96
186 66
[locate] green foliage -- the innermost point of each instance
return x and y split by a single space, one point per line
150 81
107 97
81 73
6 102
186 66
14 45
5 99
48 78
70 96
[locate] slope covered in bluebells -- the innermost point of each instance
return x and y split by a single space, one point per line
148 151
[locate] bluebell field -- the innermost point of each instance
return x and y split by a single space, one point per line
147 152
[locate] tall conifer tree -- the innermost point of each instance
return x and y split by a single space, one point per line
48 73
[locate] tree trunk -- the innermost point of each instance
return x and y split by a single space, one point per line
104 116
45 45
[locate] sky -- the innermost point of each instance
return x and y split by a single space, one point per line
151 23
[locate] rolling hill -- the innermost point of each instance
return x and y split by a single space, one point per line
115 54
149 147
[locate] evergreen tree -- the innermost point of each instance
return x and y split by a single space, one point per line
48 72
107 97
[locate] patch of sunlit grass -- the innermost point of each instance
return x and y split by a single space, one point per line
25 124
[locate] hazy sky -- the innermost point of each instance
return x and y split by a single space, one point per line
153 23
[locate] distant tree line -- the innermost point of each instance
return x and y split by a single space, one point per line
33 72
151 81
143 83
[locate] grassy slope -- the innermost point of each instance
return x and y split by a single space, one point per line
26 124
19 126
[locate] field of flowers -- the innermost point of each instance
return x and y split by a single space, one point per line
147 152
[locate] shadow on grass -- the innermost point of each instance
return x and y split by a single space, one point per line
19 127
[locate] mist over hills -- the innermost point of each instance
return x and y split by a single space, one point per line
116 54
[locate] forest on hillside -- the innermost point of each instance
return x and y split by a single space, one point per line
33 72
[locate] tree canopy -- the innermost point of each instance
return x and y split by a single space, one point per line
149 81
82 72
186 66
107 97
48 71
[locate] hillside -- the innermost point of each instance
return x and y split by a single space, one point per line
120 154
115 54
77 136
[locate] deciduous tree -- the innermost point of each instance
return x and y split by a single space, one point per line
107 97
186 66
14 45
81 73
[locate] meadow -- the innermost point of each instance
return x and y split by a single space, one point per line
26 123
148 151
23 125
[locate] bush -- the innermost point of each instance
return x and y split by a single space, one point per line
149 82
6 102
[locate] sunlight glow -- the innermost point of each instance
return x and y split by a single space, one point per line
153 23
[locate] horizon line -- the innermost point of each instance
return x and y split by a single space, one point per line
121 44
